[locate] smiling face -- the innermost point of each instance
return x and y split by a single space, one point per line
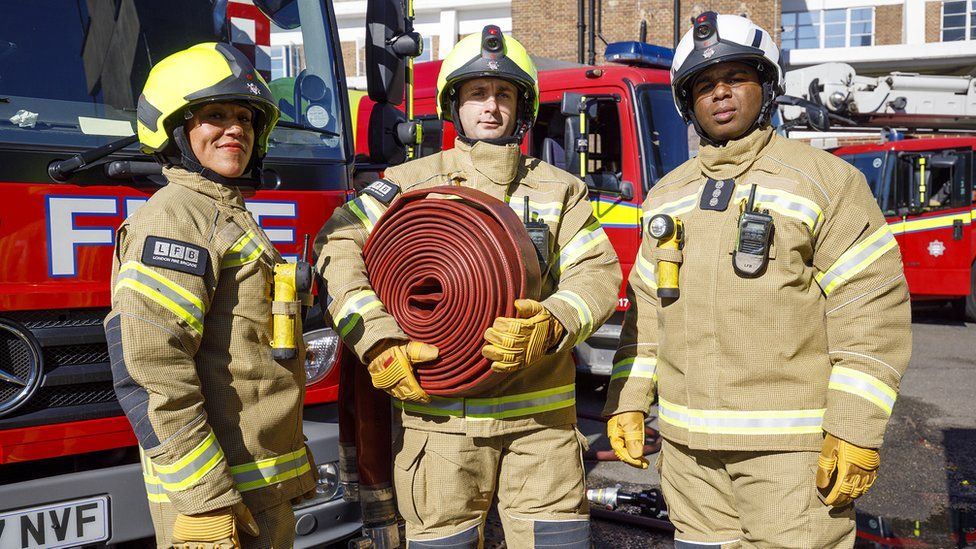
487 108
222 137
727 99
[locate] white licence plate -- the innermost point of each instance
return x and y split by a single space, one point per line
65 524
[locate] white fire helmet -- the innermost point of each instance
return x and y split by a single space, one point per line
717 39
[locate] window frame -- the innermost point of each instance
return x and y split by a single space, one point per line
967 28
821 26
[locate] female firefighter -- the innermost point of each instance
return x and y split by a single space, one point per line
218 419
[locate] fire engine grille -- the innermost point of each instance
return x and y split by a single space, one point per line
58 318
15 362
93 353
71 395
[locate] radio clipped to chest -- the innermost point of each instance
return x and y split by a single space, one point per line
751 255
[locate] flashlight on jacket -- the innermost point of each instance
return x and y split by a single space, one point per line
292 289
670 235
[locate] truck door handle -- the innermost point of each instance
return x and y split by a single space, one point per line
957 229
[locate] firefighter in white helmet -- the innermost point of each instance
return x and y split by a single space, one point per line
776 360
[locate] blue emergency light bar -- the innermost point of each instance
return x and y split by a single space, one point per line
639 53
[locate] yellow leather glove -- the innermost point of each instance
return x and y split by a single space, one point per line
214 530
845 471
392 370
626 433
517 343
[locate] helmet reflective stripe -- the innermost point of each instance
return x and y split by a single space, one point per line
468 60
203 73
734 38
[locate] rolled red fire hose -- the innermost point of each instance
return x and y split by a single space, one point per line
445 262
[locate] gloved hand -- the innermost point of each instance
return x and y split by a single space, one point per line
392 370
214 530
845 471
517 343
626 433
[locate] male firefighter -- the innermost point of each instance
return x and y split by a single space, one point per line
769 315
218 420
448 467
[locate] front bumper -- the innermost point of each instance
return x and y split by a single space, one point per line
318 522
595 355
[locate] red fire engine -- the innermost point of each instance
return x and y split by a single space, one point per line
924 186
70 76
606 106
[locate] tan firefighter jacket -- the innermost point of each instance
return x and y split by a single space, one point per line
215 415
819 342
579 289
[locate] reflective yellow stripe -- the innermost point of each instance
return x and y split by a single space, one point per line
172 296
354 308
189 469
504 407
246 250
791 205
367 209
734 422
675 207
265 472
582 312
646 270
856 259
635 366
584 240
538 211
863 385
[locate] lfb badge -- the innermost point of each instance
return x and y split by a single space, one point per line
936 248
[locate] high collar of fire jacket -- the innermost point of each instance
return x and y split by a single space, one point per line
230 196
733 158
497 163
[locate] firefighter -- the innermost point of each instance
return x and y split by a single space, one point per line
775 353
448 467
218 420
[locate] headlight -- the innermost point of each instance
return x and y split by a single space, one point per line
328 485
322 350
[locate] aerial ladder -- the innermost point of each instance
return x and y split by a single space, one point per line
917 102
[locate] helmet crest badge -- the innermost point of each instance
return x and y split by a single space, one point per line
493 64
253 88
708 53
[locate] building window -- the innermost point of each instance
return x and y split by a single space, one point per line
958 23
279 62
835 28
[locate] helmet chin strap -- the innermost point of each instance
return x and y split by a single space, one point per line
189 161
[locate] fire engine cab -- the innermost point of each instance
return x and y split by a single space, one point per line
924 186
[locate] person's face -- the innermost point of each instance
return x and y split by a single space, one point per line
487 108
222 137
727 99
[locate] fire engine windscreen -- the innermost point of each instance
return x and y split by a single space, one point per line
71 71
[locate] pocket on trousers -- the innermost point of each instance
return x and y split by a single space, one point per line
408 475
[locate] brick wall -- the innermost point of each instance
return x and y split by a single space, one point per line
621 20
887 25
933 21
349 58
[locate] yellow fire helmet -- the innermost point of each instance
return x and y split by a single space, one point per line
204 73
491 55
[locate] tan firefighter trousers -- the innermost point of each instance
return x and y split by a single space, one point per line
445 484
732 500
